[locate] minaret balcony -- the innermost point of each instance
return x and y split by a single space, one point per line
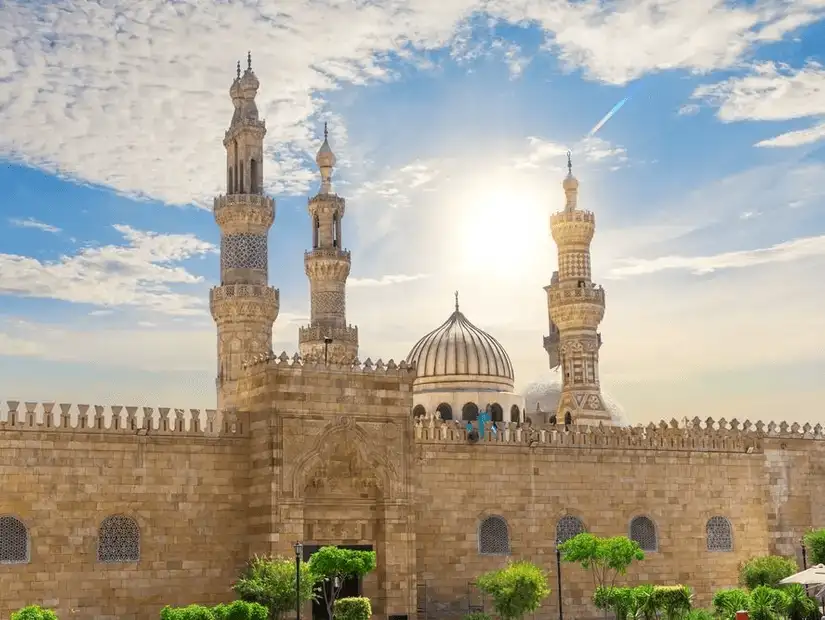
326 203
241 124
333 253
255 209
234 301
318 333
576 215
592 294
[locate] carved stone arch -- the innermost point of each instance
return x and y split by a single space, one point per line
343 432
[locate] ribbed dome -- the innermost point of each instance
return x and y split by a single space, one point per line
458 354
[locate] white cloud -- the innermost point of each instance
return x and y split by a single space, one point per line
805 247
550 156
30 222
385 280
772 92
134 95
140 274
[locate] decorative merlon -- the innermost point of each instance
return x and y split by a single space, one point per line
122 419
686 436
366 367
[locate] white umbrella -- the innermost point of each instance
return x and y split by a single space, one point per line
815 575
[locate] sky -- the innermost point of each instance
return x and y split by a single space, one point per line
450 121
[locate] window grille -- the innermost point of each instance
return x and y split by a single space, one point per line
14 541
493 536
568 527
118 540
719 534
643 531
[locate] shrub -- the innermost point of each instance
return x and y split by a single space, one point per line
270 581
699 614
815 545
767 570
240 610
352 608
767 603
190 612
516 590
478 615
727 602
616 599
673 601
800 606
34 612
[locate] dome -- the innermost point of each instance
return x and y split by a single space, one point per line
458 355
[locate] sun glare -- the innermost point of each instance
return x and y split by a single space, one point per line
501 228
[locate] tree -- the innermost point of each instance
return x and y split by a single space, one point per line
270 581
815 546
800 606
767 603
767 570
516 590
34 612
331 566
606 558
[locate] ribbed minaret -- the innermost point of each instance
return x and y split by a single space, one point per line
328 338
244 306
576 307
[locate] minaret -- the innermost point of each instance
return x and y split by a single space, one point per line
244 306
327 338
576 307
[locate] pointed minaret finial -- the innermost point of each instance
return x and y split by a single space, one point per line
239 69
569 164
326 132
456 301
249 61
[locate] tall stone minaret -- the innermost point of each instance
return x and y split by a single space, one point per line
576 307
244 306
327 338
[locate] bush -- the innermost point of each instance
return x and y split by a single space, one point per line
190 612
240 610
270 581
767 570
352 608
727 602
34 612
815 546
673 601
516 590
478 615
800 606
767 603
616 599
699 614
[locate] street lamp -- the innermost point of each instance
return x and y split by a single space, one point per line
299 550
558 574
804 555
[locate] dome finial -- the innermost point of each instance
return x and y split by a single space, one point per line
249 61
569 164
238 74
456 301
326 132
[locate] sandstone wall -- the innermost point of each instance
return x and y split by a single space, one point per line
532 487
187 492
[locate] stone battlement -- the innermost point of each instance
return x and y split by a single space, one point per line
688 435
122 419
296 362
576 215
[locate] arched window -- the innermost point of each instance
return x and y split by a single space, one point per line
643 531
230 189
335 230
419 411
469 412
515 414
494 536
719 534
316 229
496 413
253 176
568 527
14 541
445 411
118 540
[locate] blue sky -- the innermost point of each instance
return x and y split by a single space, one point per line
450 121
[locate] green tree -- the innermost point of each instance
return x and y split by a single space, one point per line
331 566
606 558
34 612
727 602
619 600
815 546
766 570
353 608
800 606
270 581
767 603
516 590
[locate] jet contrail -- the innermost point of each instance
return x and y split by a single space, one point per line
607 117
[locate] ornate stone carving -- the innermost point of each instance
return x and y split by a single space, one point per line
244 251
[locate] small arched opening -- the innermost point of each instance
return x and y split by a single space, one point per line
419 411
445 411
335 230
230 188
496 413
254 181
568 418
515 414
469 412
316 229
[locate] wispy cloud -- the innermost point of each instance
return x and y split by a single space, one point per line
797 249
30 222
549 155
385 280
139 274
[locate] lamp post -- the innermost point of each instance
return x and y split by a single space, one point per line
804 555
327 342
558 575
299 550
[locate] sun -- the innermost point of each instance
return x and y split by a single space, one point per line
501 226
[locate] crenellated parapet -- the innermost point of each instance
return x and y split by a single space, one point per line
36 416
244 213
327 204
687 436
284 361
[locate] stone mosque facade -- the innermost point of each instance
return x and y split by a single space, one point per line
434 462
